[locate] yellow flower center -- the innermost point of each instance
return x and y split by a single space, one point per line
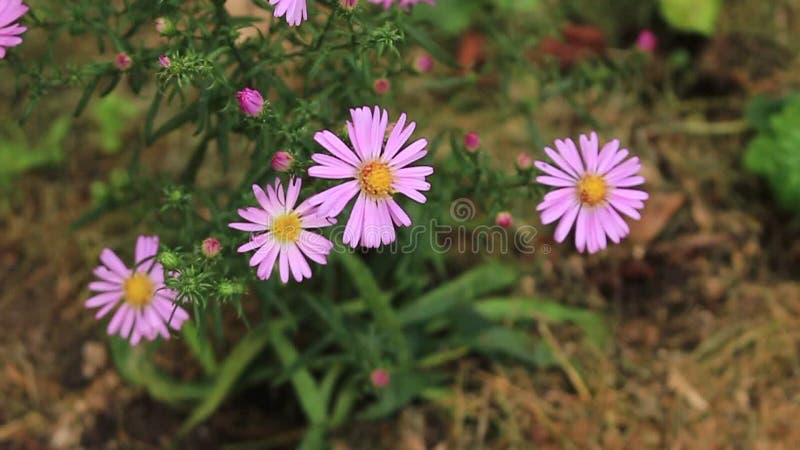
592 190
286 228
138 290
376 179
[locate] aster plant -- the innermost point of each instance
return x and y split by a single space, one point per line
314 198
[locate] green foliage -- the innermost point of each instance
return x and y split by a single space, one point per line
775 152
698 16
112 115
18 154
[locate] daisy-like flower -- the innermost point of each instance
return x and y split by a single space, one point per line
281 232
376 172
401 3
10 29
593 191
148 306
296 11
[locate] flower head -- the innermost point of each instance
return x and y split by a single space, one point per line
401 3
472 141
296 11
148 307
376 173
250 101
647 41
10 29
164 61
592 191
122 61
280 232
282 161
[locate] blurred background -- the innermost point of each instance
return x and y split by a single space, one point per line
701 303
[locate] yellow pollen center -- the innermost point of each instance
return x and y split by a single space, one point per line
138 290
592 190
286 228
376 179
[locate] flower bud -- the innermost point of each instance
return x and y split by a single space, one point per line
229 289
122 61
472 141
423 63
381 86
349 4
503 219
380 378
211 247
524 161
647 41
250 101
282 161
164 26
164 61
169 259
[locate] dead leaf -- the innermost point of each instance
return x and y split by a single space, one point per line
658 210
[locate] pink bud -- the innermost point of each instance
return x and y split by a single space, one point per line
647 41
349 3
424 63
164 26
250 101
282 161
211 247
472 141
380 378
164 61
123 61
524 161
381 86
503 219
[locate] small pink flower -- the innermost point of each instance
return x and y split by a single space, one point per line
164 61
423 63
148 306
250 101
296 11
10 30
211 247
472 141
123 61
376 172
503 219
282 161
592 191
380 378
280 232
381 86
401 3
349 4
647 41
524 161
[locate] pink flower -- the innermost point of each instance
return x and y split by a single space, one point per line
381 86
280 232
211 247
282 161
148 306
503 219
592 189
164 61
349 3
375 173
524 161
250 101
472 141
296 11
10 29
401 3
647 41
122 61
380 378
423 63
